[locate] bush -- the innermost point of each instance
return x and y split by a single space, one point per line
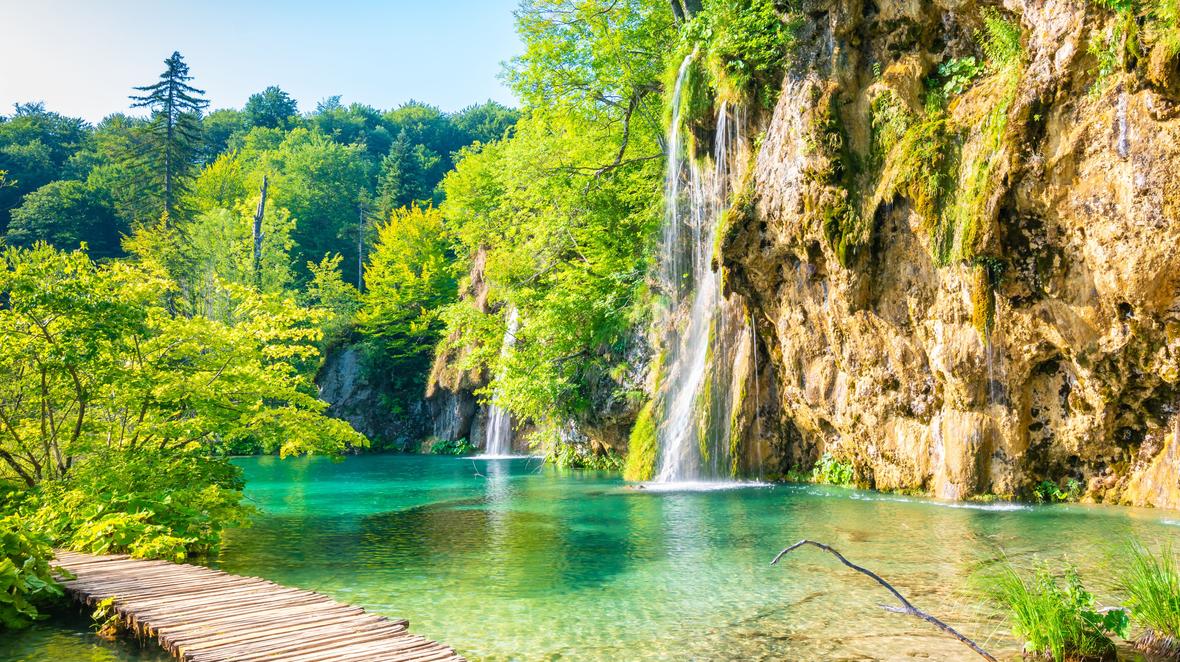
747 45
452 447
1056 622
1152 584
833 471
585 456
1048 491
26 577
147 504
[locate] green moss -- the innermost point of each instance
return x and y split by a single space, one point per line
643 448
837 212
889 120
983 300
948 173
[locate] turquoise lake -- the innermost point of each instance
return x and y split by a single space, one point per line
513 560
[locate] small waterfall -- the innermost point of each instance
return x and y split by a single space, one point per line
498 440
1124 141
703 384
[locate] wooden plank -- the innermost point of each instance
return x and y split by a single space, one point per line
204 615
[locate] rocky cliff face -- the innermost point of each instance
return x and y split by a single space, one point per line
978 297
354 397
455 412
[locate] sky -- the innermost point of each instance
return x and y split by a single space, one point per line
82 57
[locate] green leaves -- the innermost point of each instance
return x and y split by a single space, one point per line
410 277
958 73
99 360
26 577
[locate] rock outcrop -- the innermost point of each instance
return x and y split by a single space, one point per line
352 395
1019 324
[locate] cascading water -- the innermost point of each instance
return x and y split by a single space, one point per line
705 359
498 439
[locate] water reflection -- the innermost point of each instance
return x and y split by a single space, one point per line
506 562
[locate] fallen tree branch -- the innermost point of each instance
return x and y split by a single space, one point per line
906 607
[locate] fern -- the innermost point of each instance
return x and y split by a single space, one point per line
1000 40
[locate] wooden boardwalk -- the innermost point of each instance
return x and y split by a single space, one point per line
205 615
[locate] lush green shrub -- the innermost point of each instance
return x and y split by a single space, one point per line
1055 621
583 456
147 504
26 577
452 447
746 45
833 471
1048 491
1152 584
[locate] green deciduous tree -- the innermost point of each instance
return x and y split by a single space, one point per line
68 214
272 108
564 211
410 277
35 146
320 182
95 360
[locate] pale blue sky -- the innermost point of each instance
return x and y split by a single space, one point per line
81 57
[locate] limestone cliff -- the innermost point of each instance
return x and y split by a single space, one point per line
356 396
455 412
976 297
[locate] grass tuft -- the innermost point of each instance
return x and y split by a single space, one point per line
1055 621
1152 584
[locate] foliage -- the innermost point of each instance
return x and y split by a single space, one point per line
958 73
35 148
327 291
1000 41
410 278
143 502
831 470
1055 621
1048 491
1151 582
452 447
320 182
581 456
172 137
26 577
746 45
642 450
950 164
272 108
68 213
97 359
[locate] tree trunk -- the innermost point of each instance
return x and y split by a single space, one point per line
258 235
678 11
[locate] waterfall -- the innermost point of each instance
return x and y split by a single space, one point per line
1124 142
498 439
702 389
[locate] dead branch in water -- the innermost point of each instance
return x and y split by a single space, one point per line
906 607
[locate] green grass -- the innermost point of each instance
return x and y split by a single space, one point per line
1056 617
1152 584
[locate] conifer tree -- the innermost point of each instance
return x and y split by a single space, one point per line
174 130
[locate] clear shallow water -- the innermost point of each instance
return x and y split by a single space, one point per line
508 560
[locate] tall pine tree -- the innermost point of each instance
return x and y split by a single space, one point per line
175 128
